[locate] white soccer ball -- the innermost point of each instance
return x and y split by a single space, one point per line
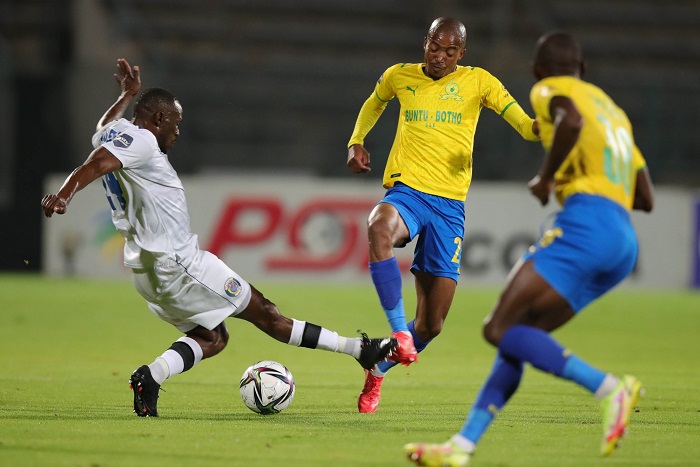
267 387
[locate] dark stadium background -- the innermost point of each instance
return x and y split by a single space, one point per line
276 85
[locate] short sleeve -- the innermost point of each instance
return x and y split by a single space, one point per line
131 148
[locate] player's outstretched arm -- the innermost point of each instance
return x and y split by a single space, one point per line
129 81
99 163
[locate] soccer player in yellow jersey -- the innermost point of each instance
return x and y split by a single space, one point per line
598 175
427 177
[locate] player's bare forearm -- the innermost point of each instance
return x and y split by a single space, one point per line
129 81
567 128
100 162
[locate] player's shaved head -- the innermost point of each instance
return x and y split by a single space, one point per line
558 53
154 100
450 26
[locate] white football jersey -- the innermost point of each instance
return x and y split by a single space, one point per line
146 196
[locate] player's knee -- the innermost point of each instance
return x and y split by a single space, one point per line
493 332
428 331
380 235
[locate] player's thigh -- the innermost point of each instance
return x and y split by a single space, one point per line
528 299
402 212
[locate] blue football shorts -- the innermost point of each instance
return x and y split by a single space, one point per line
439 224
590 248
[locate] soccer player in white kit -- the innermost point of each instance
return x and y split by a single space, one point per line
189 288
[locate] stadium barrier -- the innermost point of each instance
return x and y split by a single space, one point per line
303 228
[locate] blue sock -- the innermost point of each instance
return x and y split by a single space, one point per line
420 345
501 384
582 373
534 346
386 277
539 349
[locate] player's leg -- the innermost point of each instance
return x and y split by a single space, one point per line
265 315
556 279
500 385
387 229
434 298
436 270
436 266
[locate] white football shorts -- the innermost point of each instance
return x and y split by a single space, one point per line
201 290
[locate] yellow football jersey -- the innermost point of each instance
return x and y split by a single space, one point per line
432 150
605 159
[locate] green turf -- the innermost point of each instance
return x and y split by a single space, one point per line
68 347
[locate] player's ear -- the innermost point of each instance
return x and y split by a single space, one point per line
582 68
158 118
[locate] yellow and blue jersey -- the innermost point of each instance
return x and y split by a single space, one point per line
432 149
605 160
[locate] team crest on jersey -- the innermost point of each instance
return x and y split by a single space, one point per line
232 287
452 92
122 140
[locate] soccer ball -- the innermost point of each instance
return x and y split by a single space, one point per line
267 387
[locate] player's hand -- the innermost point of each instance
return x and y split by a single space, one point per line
128 79
53 204
358 159
540 188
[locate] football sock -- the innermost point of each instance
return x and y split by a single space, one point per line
312 336
539 349
606 387
500 385
463 443
385 366
386 277
180 357
535 347
582 373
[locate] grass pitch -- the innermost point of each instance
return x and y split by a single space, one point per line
68 347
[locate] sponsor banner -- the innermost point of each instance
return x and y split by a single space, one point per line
301 228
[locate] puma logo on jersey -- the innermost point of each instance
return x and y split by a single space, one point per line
413 90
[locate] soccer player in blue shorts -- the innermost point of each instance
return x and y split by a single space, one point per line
598 175
427 177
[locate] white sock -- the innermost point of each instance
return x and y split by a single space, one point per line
463 443
159 370
350 346
327 340
170 363
606 387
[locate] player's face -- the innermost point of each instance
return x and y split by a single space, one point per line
442 52
170 128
